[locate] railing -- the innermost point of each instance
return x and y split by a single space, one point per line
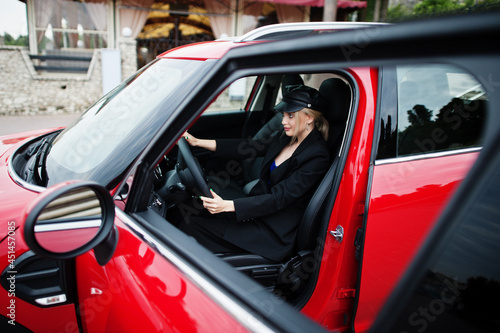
62 61
149 49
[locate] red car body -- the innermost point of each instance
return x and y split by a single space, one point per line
147 288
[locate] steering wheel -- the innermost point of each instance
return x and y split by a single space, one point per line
190 172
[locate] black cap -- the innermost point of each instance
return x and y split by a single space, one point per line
297 97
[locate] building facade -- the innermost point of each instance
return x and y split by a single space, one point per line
79 50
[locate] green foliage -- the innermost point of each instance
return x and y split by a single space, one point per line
396 12
20 41
436 6
427 8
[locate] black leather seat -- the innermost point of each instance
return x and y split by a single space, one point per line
287 276
338 94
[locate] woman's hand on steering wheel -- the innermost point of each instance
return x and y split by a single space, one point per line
193 141
189 138
216 204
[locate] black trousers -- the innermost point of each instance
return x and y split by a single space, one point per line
209 231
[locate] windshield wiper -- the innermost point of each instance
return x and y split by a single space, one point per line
40 172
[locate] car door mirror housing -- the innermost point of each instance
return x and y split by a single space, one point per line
70 219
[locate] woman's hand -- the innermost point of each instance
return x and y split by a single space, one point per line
216 204
190 139
195 142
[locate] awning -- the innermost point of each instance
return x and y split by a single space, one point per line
314 3
351 4
344 4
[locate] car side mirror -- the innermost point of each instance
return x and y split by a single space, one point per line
70 219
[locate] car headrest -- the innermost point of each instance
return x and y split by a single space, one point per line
338 94
290 80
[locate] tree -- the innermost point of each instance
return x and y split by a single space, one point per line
439 6
432 7
20 41
380 10
396 12
8 39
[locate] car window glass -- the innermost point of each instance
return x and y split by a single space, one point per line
312 80
234 97
117 117
439 108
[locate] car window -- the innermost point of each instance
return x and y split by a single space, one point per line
237 94
312 80
124 120
143 93
440 108
234 97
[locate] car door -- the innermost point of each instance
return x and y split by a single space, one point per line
453 282
432 120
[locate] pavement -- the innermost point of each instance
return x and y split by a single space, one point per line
18 124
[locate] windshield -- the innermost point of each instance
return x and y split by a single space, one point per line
109 136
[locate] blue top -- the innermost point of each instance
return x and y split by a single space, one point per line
273 165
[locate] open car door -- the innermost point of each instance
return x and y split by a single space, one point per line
416 168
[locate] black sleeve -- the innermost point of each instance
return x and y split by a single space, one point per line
241 148
286 192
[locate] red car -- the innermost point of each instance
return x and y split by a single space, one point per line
89 240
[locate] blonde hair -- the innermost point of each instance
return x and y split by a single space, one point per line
319 121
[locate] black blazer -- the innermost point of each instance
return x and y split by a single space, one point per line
266 223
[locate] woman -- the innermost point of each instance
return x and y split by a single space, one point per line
266 221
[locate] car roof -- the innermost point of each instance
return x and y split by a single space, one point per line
301 29
201 51
216 49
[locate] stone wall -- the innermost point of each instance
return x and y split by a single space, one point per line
128 53
23 91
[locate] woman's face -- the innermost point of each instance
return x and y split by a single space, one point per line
294 123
